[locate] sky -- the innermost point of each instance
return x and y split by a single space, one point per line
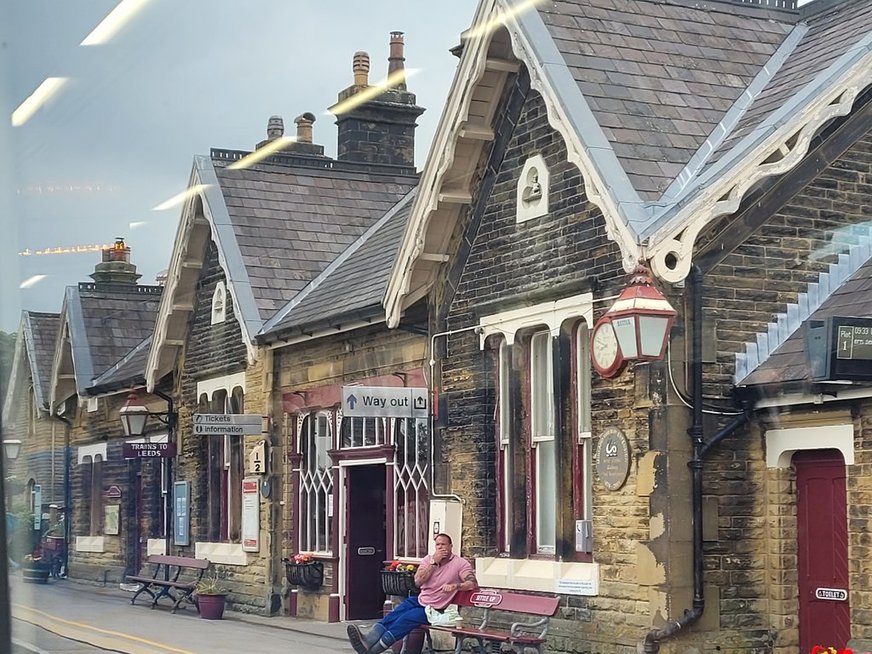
118 138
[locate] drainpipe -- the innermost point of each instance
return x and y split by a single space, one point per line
432 362
68 493
168 498
700 449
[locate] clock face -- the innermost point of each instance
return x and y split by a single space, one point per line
604 350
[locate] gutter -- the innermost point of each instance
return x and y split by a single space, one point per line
701 448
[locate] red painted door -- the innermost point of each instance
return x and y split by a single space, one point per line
822 526
366 537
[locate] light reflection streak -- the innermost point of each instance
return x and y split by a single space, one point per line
262 153
113 22
500 19
371 92
72 249
137 224
180 198
32 281
33 102
46 189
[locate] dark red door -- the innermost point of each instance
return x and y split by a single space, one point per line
822 526
365 540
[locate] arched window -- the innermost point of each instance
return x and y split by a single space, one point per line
219 303
315 438
533 189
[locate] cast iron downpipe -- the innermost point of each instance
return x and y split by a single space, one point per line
168 499
700 449
68 491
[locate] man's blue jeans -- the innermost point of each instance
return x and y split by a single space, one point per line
408 615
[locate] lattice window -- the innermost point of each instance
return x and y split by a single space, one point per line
316 483
362 432
411 496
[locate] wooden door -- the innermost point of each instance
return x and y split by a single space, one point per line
366 534
822 532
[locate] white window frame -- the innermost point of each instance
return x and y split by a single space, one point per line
505 454
357 427
583 416
542 437
410 478
316 485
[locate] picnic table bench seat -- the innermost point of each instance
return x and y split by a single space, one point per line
174 577
520 636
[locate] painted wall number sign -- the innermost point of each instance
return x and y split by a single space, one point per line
834 594
613 458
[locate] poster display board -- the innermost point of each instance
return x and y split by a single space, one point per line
251 514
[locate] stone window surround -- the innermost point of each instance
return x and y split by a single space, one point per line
534 168
507 324
219 304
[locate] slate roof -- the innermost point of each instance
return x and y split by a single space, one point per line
659 76
106 322
354 285
40 333
290 222
829 36
788 363
126 373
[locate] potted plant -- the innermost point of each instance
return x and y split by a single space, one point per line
303 570
211 597
398 579
35 569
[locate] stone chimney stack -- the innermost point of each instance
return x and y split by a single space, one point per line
115 266
382 129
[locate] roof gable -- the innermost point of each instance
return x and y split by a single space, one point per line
34 351
99 324
672 111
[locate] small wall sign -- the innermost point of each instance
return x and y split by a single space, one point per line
834 594
613 458
250 515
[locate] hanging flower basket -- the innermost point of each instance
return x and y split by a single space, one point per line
401 584
308 575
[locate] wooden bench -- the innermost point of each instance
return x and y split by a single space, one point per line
167 580
520 636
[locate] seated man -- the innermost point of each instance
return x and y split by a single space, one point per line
439 577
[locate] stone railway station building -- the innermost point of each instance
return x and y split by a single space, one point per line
713 498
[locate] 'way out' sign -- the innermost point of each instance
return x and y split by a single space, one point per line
385 402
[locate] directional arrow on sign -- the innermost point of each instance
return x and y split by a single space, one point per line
351 402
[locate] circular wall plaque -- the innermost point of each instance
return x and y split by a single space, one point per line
613 458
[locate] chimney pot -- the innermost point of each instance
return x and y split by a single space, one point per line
396 59
275 128
360 66
304 124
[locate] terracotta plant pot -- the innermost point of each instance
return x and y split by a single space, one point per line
211 606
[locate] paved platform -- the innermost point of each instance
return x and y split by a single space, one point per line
102 617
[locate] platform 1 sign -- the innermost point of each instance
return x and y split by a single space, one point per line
385 402
219 424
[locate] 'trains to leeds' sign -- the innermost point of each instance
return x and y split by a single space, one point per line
385 402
